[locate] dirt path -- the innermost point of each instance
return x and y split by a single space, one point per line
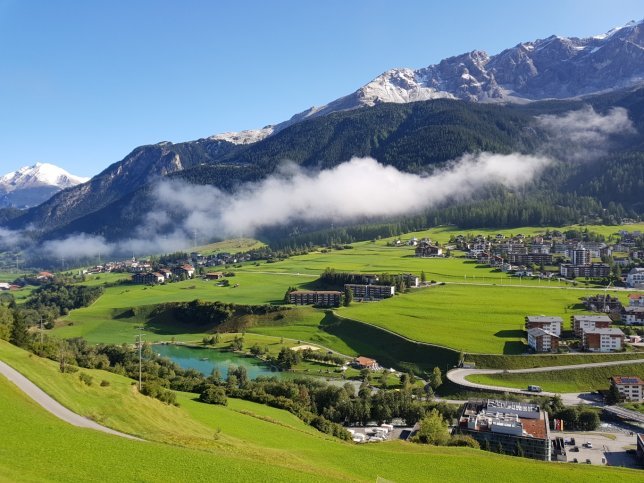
53 406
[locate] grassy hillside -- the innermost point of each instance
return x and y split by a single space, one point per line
241 442
473 318
575 380
491 361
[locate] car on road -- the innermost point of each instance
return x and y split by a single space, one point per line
534 388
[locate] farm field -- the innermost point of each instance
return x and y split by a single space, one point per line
574 380
472 318
101 322
251 442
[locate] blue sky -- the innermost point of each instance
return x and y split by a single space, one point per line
84 82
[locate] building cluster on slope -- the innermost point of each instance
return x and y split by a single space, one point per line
594 332
572 257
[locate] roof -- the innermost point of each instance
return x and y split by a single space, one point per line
636 296
627 380
543 319
303 292
609 331
537 332
592 318
365 361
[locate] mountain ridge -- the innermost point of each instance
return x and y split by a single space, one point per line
31 185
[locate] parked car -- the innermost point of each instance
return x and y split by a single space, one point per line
588 444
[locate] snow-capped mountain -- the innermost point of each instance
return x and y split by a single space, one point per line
31 185
551 68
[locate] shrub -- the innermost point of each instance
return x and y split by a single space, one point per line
86 378
105 383
214 395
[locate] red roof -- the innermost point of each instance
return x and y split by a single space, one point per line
636 296
630 380
365 361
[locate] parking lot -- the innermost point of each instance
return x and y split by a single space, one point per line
607 447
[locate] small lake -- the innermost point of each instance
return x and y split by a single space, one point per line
206 360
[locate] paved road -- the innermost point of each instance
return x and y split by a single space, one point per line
53 406
458 376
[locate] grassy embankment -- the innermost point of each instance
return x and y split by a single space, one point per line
573 380
196 442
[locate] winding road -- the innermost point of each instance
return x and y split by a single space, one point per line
53 406
458 376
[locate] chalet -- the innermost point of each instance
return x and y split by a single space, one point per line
636 300
214 275
603 340
45 276
633 315
148 278
411 280
370 292
320 298
366 363
550 324
581 323
603 303
541 340
630 387
167 274
187 271
425 249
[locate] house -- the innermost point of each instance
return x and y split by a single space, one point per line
320 298
630 387
411 280
636 300
425 249
550 324
366 363
589 322
5 286
508 425
187 271
370 292
635 278
148 278
45 276
541 340
214 275
167 274
603 303
633 315
603 340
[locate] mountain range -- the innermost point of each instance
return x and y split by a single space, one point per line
31 185
411 119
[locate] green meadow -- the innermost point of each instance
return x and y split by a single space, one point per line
570 380
472 318
243 441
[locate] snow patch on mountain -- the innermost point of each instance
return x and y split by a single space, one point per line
39 175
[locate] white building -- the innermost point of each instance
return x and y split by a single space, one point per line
630 387
541 340
635 278
603 340
548 323
633 315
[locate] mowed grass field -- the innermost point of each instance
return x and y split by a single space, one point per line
572 380
472 318
243 441
101 323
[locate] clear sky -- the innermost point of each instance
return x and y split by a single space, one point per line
83 82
